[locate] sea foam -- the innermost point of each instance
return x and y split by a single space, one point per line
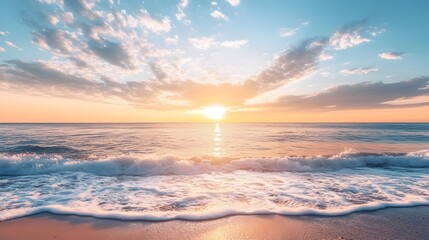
165 187
146 165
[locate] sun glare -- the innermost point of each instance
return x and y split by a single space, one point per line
215 112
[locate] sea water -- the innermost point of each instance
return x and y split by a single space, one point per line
161 171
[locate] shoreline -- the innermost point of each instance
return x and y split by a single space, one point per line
387 223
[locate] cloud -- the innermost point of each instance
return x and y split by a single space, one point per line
2 49
12 45
155 25
233 3
365 95
42 77
325 56
391 55
349 35
219 15
287 32
113 53
56 2
68 18
358 71
202 43
172 40
97 51
299 62
56 40
97 40
53 20
234 44
213 3
82 7
180 15
205 43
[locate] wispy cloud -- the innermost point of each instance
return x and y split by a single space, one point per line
296 63
12 45
358 71
287 32
350 35
219 15
180 15
234 44
202 43
391 55
106 54
325 56
233 3
172 40
97 40
364 95
205 43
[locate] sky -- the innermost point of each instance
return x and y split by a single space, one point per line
168 61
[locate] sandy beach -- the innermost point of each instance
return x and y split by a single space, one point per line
392 223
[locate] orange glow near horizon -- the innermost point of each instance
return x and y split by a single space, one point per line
19 108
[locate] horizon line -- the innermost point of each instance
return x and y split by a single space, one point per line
218 122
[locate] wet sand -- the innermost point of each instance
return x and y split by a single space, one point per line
392 223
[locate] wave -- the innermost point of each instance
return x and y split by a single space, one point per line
147 165
199 216
64 151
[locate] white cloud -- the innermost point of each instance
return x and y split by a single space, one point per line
348 36
219 15
325 56
214 3
3 33
234 44
180 15
172 40
342 41
10 44
56 2
305 23
53 20
358 71
287 32
205 43
162 25
391 55
233 3
202 43
2 49
68 17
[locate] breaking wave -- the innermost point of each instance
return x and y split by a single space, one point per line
147 165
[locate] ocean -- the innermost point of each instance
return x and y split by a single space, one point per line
198 171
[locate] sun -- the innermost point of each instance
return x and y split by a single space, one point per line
215 112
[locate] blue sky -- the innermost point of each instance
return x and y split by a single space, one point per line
244 53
